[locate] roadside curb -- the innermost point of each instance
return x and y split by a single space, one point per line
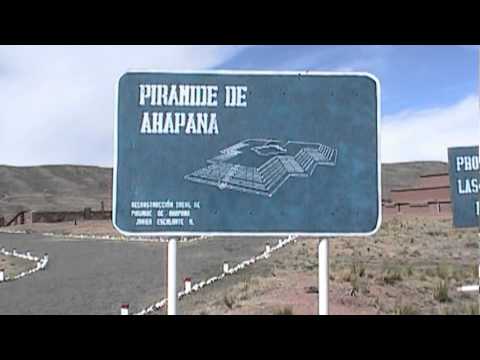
191 289
41 263
101 237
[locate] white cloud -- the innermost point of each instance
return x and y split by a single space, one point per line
427 134
372 58
57 102
470 47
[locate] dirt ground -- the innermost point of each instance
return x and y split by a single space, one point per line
412 266
14 266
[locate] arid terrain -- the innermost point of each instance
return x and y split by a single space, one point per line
402 175
70 188
53 188
413 265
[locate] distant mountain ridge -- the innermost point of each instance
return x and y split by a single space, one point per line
55 187
71 187
407 174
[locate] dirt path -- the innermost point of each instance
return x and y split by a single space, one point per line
96 277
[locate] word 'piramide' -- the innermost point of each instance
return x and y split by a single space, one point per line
191 95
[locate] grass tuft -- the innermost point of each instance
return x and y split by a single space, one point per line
392 276
284 311
405 310
229 301
440 292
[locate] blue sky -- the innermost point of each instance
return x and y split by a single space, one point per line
58 101
412 77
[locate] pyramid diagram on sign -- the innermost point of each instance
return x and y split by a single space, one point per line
261 167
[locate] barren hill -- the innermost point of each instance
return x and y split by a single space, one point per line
400 175
49 188
68 187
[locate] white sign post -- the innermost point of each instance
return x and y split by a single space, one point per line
323 277
172 277
468 288
124 309
471 288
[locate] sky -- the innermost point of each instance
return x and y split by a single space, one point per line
57 102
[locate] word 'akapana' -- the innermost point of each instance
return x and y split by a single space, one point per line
160 123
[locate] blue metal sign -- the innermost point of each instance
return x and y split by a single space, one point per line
247 153
464 185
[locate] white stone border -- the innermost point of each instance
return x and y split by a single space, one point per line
471 288
191 289
5 231
102 237
41 263
121 238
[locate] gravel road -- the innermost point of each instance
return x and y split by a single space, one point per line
96 277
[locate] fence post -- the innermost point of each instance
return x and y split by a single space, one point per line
188 285
124 309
